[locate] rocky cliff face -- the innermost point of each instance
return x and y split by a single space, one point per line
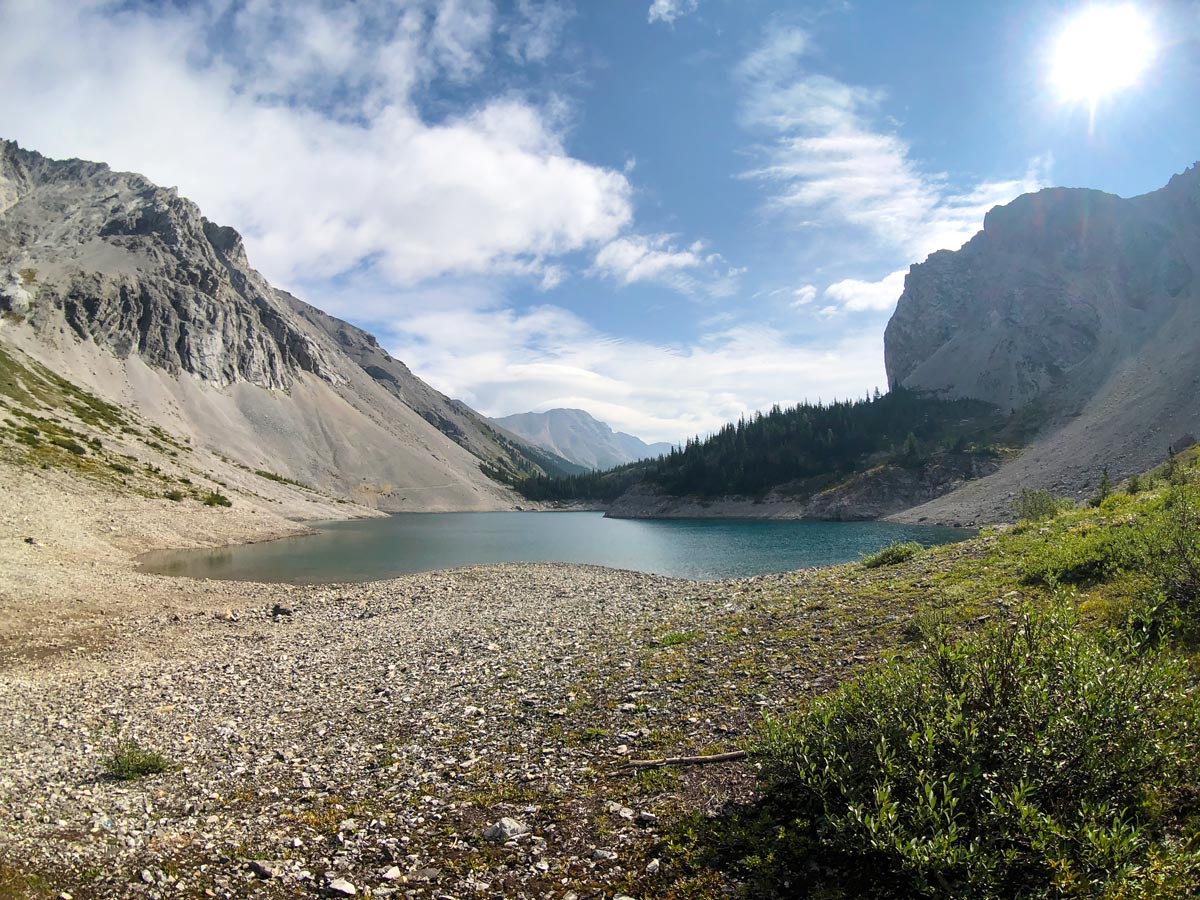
1058 288
98 266
1077 308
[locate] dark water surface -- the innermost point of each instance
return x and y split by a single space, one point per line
702 549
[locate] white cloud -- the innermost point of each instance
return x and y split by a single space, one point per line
690 270
858 296
827 158
502 361
670 10
537 30
804 295
302 128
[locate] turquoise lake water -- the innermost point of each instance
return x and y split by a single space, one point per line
700 549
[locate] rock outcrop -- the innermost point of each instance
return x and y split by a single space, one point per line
127 287
1078 310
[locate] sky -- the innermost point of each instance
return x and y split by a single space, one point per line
666 212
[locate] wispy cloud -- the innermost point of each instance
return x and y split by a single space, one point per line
501 360
692 270
803 296
670 10
825 158
537 29
301 125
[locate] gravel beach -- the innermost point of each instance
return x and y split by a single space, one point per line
449 734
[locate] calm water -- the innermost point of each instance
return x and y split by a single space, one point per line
370 549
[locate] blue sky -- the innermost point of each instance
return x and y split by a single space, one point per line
667 212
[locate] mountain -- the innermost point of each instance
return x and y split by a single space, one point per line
576 436
1080 312
1071 322
121 285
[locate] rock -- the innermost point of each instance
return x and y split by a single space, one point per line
1048 308
505 830
266 869
280 610
603 854
653 866
392 874
150 278
342 888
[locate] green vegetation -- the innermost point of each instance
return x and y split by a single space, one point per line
130 760
809 446
892 555
1016 748
675 638
1035 755
281 479
1033 506
212 498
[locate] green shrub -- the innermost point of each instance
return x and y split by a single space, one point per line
1033 506
1086 555
1031 761
1103 489
130 760
175 495
1178 546
892 554
69 445
212 498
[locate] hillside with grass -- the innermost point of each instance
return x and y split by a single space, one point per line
1031 732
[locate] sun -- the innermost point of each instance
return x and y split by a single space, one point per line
1101 51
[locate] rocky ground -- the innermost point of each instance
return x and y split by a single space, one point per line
444 735
370 735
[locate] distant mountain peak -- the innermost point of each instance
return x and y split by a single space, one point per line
578 436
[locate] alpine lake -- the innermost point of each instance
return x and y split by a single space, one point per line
401 544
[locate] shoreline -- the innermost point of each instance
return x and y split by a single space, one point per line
343 731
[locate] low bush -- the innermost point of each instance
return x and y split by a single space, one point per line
1086 555
892 555
1033 506
1034 760
175 495
212 498
130 760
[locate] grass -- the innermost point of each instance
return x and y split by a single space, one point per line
675 638
892 555
130 760
1029 734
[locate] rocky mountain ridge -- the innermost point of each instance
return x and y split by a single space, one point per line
1080 312
577 436
127 287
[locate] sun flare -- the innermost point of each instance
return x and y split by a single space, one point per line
1101 51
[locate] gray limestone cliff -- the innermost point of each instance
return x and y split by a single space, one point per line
1080 311
117 279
